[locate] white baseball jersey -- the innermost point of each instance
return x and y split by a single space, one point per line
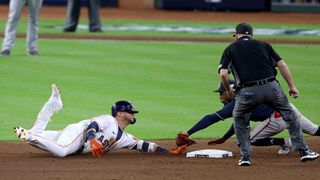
72 139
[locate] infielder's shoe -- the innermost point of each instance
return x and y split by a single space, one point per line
244 161
5 52
284 150
55 99
22 134
308 155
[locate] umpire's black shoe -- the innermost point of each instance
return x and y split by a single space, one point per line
5 52
308 155
95 29
244 161
69 29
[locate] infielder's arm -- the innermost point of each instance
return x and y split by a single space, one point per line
208 120
225 137
224 74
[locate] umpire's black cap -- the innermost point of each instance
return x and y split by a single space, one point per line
221 86
244 28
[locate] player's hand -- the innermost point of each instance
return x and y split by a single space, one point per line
217 141
96 148
294 92
178 149
230 94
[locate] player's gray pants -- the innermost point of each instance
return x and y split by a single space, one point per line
273 126
15 9
249 98
59 143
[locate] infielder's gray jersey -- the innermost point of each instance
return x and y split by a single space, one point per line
15 9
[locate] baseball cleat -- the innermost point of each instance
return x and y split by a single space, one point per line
5 52
55 99
22 134
33 53
284 150
244 161
308 155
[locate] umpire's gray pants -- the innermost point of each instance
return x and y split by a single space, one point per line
73 14
271 94
15 9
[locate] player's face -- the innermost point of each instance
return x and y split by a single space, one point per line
223 97
128 117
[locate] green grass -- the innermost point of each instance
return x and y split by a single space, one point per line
170 83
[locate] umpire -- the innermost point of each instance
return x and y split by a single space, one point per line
252 64
73 14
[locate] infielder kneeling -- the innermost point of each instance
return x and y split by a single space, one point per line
97 135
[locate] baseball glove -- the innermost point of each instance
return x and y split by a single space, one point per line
183 139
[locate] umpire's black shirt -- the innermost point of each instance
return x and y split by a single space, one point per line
249 60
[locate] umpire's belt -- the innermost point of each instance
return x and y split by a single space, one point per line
257 83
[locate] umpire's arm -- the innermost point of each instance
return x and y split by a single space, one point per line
224 75
285 72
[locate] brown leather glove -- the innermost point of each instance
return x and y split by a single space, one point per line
183 139
96 148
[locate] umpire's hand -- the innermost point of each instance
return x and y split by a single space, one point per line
294 92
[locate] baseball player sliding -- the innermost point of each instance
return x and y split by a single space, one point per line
96 135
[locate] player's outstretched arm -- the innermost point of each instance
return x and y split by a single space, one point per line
225 137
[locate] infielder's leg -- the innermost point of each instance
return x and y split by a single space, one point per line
15 9
267 128
306 125
32 34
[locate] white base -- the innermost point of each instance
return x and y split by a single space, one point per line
210 153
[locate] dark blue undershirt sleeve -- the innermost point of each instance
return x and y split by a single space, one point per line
229 133
91 130
261 113
161 150
224 113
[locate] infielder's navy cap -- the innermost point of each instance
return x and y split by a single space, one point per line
244 28
221 86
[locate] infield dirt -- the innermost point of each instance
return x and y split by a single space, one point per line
22 161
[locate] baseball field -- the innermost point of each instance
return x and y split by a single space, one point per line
169 76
